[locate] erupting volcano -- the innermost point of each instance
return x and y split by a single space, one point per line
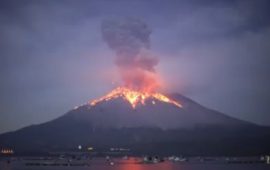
135 97
170 124
130 39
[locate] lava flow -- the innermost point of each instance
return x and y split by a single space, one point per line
134 97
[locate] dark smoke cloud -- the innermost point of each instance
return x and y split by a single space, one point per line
130 39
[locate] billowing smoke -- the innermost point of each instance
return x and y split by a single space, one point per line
130 39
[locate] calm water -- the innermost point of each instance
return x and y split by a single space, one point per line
134 164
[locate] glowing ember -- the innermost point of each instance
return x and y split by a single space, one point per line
134 97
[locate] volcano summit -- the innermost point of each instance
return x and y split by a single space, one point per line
135 97
129 108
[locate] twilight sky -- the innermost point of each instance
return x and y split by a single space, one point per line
53 57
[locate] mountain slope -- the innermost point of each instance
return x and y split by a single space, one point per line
118 113
155 127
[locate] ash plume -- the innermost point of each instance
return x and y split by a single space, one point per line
130 39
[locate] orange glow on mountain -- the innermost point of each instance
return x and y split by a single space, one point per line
135 97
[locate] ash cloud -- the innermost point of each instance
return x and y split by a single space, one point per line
130 39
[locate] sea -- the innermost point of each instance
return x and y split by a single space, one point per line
127 164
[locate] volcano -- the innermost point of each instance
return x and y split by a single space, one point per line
128 108
144 123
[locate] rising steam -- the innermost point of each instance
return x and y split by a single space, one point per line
130 39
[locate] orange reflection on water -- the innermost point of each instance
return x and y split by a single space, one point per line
135 164
131 164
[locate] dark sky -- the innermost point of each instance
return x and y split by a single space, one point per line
53 57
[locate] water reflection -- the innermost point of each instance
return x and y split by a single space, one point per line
132 163
136 164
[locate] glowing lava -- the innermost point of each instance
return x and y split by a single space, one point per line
134 97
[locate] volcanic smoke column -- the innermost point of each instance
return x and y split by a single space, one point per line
130 39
